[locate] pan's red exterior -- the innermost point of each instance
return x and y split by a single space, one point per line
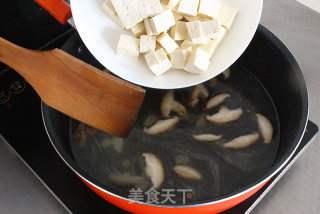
59 9
274 66
147 209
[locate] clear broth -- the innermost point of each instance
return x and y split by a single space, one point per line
223 170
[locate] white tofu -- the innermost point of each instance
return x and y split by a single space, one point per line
177 16
212 45
195 32
188 43
152 62
179 31
138 29
109 9
167 42
148 27
194 18
198 61
210 29
173 3
164 2
227 16
128 47
210 8
179 57
188 7
147 43
117 20
158 61
131 12
162 22
111 12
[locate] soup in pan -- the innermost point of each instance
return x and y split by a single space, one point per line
195 143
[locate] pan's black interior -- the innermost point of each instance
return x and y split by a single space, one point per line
272 64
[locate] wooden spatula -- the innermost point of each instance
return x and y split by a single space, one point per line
77 89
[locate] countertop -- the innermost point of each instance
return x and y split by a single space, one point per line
298 27
297 192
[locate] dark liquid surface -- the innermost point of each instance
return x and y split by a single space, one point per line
223 170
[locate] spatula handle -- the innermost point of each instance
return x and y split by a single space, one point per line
77 88
18 58
59 9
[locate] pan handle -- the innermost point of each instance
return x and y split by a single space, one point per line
59 9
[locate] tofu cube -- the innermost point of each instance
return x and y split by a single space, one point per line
148 27
152 62
198 61
173 4
132 12
179 57
167 42
210 29
194 18
177 16
210 8
158 61
213 44
188 7
162 22
147 43
195 32
179 31
188 43
164 2
138 29
128 47
227 16
109 9
111 12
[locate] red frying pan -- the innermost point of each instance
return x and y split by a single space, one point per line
275 68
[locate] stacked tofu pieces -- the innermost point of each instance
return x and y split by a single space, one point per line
178 34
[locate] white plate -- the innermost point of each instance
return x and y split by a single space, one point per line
101 35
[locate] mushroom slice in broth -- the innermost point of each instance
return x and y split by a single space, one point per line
199 92
162 126
227 73
265 127
207 137
168 104
154 169
127 179
187 172
217 100
242 141
225 115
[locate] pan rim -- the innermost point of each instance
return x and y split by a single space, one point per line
228 196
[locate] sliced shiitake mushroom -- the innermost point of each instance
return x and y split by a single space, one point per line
127 179
217 100
115 142
265 127
168 104
187 172
199 92
154 169
225 115
227 73
162 126
213 82
80 135
207 137
201 121
242 141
